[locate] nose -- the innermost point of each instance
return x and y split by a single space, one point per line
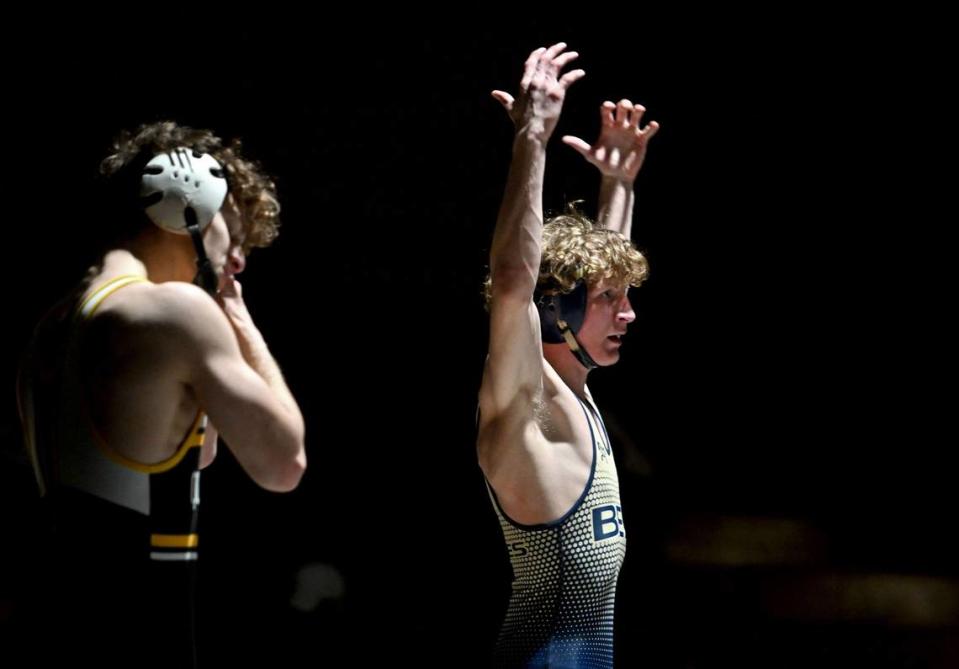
235 261
626 313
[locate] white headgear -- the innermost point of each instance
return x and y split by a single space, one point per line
181 181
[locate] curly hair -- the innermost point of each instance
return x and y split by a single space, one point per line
574 248
253 191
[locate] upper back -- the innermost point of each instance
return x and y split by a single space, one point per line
116 353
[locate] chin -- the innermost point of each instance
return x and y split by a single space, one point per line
606 358
610 358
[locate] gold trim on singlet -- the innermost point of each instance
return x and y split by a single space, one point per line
193 439
174 540
194 436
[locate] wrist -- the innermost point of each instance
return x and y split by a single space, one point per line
533 132
618 179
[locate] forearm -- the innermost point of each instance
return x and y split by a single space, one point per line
616 198
257 355
517 240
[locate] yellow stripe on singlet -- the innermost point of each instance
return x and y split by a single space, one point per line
93 300
174 540
194 437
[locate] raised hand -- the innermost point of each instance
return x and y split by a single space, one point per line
539 101
620 150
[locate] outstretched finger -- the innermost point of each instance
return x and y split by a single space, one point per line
504 99
606 113
563 59
572 77
554 50
578 144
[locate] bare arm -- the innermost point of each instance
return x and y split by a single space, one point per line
253 347
239 385
618 153
514 370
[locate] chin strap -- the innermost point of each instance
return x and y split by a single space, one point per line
584 358
205 276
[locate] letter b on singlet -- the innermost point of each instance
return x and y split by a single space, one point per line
608 522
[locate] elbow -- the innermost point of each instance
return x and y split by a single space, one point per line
294 468
287 466
286 479
508 275
286 476
507 284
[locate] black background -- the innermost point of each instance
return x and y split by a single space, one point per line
789 357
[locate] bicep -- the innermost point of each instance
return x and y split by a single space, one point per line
515 365
236 399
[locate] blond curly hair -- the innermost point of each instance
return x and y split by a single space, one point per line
574 249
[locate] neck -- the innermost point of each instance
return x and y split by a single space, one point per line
567 366
121 261
158 255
